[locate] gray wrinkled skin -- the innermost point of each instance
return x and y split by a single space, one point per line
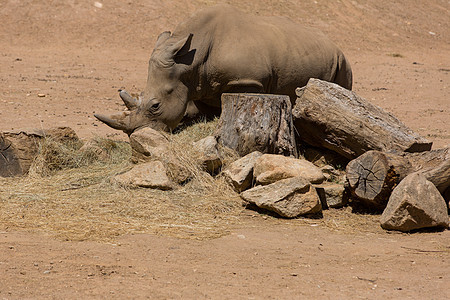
221 49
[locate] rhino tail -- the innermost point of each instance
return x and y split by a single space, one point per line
343 75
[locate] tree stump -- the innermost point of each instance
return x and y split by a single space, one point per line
18 149
329 116
17 152
373 175
257 122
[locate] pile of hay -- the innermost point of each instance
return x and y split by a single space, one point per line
69 193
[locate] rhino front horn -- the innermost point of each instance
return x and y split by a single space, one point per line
120 121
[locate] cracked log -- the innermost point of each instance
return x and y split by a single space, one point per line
18 149
17 152
257 122
373 175
329 116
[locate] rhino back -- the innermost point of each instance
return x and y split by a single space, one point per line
233 47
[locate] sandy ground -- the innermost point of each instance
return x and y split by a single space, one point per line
60 62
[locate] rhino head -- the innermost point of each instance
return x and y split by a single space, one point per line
163 103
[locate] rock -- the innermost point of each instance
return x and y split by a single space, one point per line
240 172
332 195
414 204
271 167
289 198
146 143
209 154
19 148
149 175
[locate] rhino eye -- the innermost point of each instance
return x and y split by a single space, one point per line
155 106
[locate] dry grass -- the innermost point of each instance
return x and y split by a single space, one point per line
69 193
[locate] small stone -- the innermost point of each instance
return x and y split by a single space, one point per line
41 95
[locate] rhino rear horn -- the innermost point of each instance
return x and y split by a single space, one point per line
130 102
120 121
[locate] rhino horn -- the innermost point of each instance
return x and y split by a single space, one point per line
120 121
130 102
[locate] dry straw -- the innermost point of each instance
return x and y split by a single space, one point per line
69 193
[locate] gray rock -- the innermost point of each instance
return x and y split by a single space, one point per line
331 194
146 143
289 198
149 175
240 172
270 168
414 204
209 154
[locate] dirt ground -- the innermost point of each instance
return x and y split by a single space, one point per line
63 61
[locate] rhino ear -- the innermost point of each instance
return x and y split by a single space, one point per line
162 38
180 47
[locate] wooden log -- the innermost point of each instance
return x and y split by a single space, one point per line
19 148
329 116
373 175
17 152
257 122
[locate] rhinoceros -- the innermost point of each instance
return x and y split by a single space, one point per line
223 50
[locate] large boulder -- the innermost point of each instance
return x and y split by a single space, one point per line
146 143
240 172
149 175
270 168
414 204
289 198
